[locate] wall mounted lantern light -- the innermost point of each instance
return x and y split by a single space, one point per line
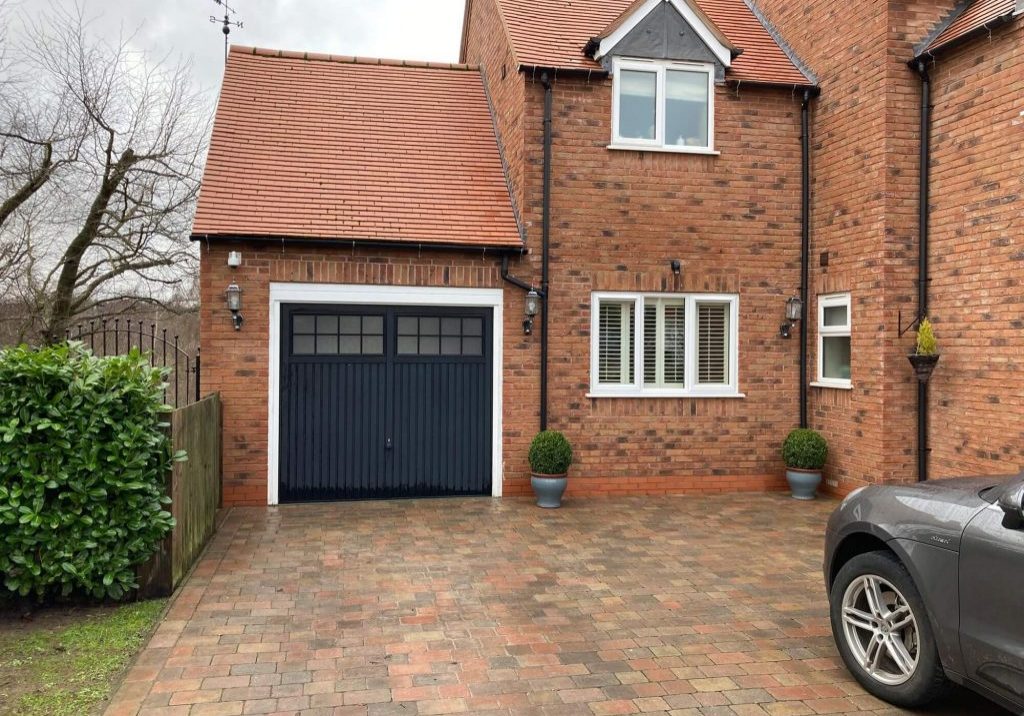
531 308
234 298
794 309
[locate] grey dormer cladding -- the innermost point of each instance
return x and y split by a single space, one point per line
664 35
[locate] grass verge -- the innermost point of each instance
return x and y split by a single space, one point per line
64 661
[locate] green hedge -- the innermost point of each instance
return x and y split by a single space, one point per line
550 453
804 449
83 461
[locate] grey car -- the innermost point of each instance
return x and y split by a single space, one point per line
926 586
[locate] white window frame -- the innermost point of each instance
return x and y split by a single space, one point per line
832 300
659 68
691 389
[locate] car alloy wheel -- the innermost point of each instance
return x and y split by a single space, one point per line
880 629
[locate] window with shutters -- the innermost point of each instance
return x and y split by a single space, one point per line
661 345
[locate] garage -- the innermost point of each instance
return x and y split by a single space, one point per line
384 401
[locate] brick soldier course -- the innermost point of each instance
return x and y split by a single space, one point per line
690 606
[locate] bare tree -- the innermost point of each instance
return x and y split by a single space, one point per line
112 151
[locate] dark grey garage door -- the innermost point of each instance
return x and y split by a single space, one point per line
384 401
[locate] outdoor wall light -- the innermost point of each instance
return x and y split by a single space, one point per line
234 297
234 259
794 309
531 308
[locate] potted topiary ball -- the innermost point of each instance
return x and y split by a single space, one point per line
550 457
926 352
804 452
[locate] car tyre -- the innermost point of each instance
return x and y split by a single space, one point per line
881 628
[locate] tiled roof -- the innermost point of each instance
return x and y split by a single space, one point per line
327 147
969 17
553 33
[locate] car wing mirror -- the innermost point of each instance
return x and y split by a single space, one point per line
1011 502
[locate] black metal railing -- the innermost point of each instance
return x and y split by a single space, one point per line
113 337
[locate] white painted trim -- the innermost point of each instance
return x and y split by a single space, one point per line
692 389
720 51
388 296
651 393
659 68
620 146
826 301
837 386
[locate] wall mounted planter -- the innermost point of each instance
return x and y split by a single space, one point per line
923 365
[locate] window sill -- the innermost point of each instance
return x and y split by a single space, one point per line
677 396
834 386
668 149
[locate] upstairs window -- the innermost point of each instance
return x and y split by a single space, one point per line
664 345
663 106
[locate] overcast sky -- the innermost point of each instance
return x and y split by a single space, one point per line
408 29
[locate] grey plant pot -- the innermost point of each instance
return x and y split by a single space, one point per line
548 489
803 484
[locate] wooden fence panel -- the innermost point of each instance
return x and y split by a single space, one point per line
194 487
195 483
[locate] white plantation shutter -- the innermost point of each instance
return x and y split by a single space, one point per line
615 342
650 342
713 343
664 329
675 344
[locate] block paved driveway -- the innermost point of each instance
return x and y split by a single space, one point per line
657 605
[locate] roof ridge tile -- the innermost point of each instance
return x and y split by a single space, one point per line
349 59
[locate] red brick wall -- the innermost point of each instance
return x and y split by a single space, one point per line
864 203
977 256
235 363
618 219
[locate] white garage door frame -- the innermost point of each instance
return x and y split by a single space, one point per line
364 295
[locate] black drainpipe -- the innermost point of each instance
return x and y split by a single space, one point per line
922 257
545 291
805 244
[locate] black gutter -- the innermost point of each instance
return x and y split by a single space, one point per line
805 243
924 189
545 238
342 242
506 276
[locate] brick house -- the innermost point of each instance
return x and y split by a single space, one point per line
641 166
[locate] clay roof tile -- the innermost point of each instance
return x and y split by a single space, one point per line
330 147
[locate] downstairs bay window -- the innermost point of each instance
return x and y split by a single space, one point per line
664 345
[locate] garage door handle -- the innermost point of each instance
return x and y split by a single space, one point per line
387 443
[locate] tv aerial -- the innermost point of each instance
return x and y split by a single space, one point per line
226 23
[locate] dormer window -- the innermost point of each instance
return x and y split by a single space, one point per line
663 106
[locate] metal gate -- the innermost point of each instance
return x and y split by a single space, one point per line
384 402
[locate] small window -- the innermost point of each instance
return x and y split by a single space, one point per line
834 323
663 345
331 334
663 106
